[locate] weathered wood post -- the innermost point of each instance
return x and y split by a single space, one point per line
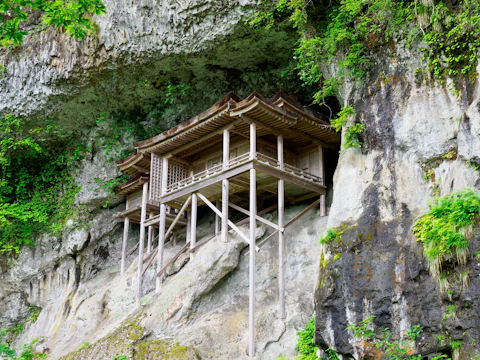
188 232
217 218
126 225
281 235
225 184
141 244
253 228
193 226
150 236
161 226
323 210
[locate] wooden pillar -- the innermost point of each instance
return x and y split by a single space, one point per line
161 225
193 226
150 236
126 225
253 141
161 245
321 169
281 235
174 240
225 184
226 149
141 244
217 218
253 228
225 190
188 233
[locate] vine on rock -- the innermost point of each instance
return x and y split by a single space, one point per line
36 188
338 39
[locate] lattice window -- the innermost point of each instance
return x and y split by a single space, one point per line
155 177
177 171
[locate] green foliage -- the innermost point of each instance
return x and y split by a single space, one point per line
342 118
120 357
27 352
456 346
415 332
352 134
71 15
446 229
112 129
34 314
83 345
393 349
36 189
450 313
347 33
331 235
305 345
174 92
332 355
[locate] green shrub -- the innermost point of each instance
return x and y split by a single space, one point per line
342 118
345 35
393 350
352 134
27 352
36 188
334 234
446 229
305 345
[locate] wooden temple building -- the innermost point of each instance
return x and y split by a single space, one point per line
229 156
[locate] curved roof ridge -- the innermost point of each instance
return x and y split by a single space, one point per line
227 100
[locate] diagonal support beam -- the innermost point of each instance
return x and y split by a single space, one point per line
177 218
230 223
310 207
259 218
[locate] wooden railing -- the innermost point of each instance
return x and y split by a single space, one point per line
267 160
303 174
239 160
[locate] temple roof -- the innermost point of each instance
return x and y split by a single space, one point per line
132 185
278 115
135 164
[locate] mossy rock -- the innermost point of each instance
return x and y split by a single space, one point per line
129 341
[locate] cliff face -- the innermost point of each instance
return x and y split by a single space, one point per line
420 141
413 127
141 50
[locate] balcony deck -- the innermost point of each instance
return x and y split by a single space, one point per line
298 183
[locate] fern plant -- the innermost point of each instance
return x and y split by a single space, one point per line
446 229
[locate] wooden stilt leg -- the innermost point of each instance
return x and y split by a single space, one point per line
217 218
323 210
150 236
281 249
161 244
193 226
253 230
188 233
141 244
281 234
124 246
225 189
321 170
